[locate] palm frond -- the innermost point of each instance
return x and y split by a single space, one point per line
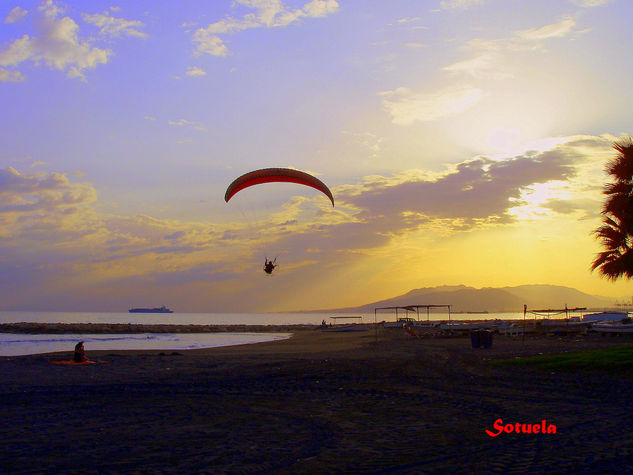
611 238
616 231
618 205
618 188
621 167
603 258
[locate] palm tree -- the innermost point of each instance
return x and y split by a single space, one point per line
616 232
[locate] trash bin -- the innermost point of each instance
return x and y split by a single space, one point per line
475 339
485 338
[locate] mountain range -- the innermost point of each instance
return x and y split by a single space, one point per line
488 299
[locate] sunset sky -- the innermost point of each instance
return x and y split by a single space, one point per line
464 142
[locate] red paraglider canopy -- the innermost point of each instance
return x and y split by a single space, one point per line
271 175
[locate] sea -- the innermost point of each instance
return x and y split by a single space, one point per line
13 344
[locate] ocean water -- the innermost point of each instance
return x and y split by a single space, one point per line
13 344
166 318
228 318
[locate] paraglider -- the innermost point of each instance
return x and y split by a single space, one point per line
273 175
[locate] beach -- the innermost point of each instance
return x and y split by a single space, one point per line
319 402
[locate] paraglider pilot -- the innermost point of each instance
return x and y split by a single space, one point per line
269 266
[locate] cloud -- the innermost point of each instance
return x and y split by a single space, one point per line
478 190
459 4
406 20
34 192
267 14
10 76
114 27
15 15
483 66
195 71
58 45
590 3
43 206
187 123
320 8
407 107
490 54
207 43
554 30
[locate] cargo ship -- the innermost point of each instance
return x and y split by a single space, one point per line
162 309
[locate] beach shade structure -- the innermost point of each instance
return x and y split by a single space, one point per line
276 175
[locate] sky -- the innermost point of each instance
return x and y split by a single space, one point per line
464 142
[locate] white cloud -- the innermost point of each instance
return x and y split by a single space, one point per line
209 43
49 9
187 123
455 4
491 54
407 107
555 30
58 45
267 14
590 3
526 40
484 66
409 19
15 15
195 71
114 27
320 8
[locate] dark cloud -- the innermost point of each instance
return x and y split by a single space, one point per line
176 235
477 189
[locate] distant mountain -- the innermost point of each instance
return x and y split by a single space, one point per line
555 296
506 299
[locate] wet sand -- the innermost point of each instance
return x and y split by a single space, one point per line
319 402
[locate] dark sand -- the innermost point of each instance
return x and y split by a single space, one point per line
316 403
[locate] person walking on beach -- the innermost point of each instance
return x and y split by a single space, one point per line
80 353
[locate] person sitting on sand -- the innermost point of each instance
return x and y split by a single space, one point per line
80 353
